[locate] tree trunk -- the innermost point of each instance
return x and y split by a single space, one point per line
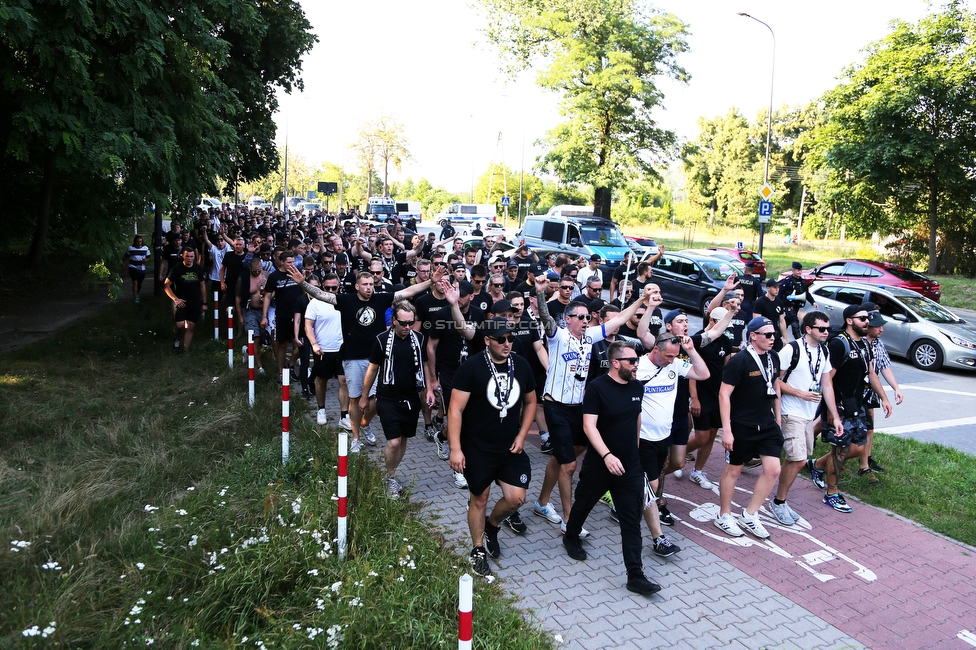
157 239
933 223
43 214
601 202
386 176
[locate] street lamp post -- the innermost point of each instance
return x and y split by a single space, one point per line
769 117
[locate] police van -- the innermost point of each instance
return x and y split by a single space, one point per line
576 231
466 213
380 208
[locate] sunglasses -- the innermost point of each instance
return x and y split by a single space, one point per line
499 286
584 317
628 359
405 323
330 288
377 272
820 329
673 340
566 288
503 339
768 335
861 318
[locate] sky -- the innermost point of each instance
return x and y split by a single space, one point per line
429 66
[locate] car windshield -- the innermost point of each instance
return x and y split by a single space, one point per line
929 310
602 236
382 209
717 269
906 274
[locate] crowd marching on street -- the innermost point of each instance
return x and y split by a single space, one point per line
481 346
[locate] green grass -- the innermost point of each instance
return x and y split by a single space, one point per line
926 482
161 500
957 291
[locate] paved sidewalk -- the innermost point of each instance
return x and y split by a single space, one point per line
867 579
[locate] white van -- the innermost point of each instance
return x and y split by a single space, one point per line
380 208
256 202
409 210
466 213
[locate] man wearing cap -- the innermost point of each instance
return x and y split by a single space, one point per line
795 292
852 374
751 286
511 276
492 408
749 403
591 270
806 390
882 366
771 307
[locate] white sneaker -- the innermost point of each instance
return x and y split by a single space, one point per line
702 480
393 488
752 524
548 512
368 435
320 417
444 450
583 532
678 473
344 423
460 482
354 446
726 523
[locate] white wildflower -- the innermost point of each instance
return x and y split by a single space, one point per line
140 566
149 508
54 566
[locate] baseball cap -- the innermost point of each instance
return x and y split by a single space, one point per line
771 282
341 258
536 269
851 310
457 265
597 305
877 320
264 249
671 315
750 264
512 263
595 258
870 306
500 306
498 326
797 266
719 313
465 288
756 323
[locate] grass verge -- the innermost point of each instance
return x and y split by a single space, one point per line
145 503
926 482
957 291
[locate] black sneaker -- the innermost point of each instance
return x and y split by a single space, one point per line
479 561
639 584
665 515
430 432
491 539
816 474
546 447
614 515
515 522
665 547
574 548
874 466
753 462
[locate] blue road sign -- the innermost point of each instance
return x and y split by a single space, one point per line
506 201
765 208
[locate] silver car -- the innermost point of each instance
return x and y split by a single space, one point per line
923 331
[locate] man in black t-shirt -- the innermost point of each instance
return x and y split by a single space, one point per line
611 421
492 408
397 359
750 410
770 306
186 287
285 293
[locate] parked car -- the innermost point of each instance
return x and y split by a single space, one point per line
649 245
691 279
877 273
919 329
743 256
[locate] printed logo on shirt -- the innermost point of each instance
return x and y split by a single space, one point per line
523 479
366 316
572 355
755 373
648 390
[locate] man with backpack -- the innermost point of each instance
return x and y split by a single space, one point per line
851 374
805 380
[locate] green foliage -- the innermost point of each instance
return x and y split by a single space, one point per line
604 58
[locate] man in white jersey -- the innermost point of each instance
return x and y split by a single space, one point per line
659 371
569 362
323 328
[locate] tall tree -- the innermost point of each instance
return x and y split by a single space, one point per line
605 58
391 147
901 132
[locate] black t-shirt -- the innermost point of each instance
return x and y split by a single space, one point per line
482 301
621 271
851 364
771 309
186 283
233 267
452 348
714 355
404 384
523 267
347 283
751 403
558 310
618 409
404 274
171 253
600 356
736 326
426 305
285 292
482 428
527 332
527 290
362 322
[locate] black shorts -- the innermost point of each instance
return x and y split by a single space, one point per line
446 379
653 455
752 443
191 313
284 327
565 422
398 416
679 431
327 365
138 276
540 388
482 469
708 420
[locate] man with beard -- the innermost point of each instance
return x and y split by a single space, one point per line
611 421
492 408
852 373
186 287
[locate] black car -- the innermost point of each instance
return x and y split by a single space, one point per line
691 280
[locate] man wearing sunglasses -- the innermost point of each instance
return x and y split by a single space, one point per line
772 307
492 408
852 373
749 403
570 350
805 381
323 329
398 360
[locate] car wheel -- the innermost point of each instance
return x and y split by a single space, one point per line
704 305
926 355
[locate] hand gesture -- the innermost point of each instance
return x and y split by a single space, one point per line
439 272
541 283
731 282
687 344
297 276
451 292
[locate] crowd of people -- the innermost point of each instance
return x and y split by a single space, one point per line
480 345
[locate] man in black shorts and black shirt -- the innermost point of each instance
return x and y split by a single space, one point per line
750 410
286 293
611 421
186 287
492 408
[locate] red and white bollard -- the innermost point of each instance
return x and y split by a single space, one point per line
216 304
285 419
342 489
230 338
465 601
250 368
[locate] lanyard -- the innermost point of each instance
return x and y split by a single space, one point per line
814 371
766 372
660 368
503 391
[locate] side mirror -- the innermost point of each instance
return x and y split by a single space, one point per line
574 242
693 277
901 318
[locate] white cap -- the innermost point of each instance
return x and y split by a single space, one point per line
718 314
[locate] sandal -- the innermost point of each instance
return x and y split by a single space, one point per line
866 471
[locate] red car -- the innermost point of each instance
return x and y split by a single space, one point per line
877 273
759 266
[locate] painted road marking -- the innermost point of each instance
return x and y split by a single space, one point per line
937 390
928 426
968 637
